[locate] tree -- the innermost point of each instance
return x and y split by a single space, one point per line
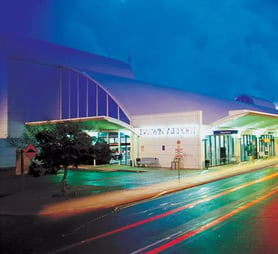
102 153
62 145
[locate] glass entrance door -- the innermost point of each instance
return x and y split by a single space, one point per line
125 148
266 146
219 149
248 148
119 144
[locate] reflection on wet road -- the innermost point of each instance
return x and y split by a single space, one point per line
103 181
234 211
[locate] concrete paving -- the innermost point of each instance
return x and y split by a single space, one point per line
27 195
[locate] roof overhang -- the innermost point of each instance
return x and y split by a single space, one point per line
98 123
248 119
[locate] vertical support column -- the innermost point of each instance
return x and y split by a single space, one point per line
87 97
134 148
107 105
6 155
60 91
97 113
203 149
3 90
119 145
258 148
237 150
69 94
78 96
275 146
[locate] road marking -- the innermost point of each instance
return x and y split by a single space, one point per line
210 224
159 216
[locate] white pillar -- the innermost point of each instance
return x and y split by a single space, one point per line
134 147
3 90
237 150
276 145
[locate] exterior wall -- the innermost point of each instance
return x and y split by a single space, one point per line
33 91
3 92
7 154
28 92
158 136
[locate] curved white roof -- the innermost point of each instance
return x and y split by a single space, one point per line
141 98
136 97
45 53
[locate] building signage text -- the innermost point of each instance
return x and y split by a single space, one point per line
186 131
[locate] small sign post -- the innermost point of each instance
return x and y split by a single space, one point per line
178 156
30 151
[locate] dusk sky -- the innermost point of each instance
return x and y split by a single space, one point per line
217 47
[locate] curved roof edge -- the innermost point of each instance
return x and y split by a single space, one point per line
143 98
42 52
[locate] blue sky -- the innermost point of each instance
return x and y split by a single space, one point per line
217 47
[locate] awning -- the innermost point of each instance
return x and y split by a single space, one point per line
98 123
248 120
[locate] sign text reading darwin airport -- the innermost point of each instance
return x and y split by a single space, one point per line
184 131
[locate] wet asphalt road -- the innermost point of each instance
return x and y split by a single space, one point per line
234 215
105 181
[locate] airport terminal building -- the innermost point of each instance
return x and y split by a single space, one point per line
145 123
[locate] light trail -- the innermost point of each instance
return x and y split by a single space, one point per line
210 224
159 216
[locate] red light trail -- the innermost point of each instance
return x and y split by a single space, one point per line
187 235
210 224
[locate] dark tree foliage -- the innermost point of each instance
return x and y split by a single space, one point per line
62 145
101 152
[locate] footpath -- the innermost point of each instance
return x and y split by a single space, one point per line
27 195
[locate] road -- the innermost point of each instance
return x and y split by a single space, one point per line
234 215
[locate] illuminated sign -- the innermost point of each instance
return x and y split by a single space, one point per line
225 132
184 131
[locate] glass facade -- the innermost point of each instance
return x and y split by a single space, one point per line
119 143
248 147
219 149
260 147
81 96
266 146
